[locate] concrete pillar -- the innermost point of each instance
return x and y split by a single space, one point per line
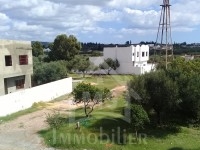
2 88
28 81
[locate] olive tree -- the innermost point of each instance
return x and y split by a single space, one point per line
90 95
109 64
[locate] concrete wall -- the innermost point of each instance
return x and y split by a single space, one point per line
96 60
15 48
25 98
132 59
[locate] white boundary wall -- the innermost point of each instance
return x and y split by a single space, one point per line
24 99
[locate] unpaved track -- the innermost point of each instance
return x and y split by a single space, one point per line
21 133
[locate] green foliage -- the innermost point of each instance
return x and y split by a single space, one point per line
37 49
81 63
96 53
109 117
186 74
90 95
173 93
55 120
157 92
109 64
64 48
106 94
48 72
139 117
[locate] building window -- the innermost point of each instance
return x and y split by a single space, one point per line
133 54
23 59
137 54
8 60
146 53
19 83
142 54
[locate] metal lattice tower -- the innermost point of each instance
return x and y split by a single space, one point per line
163 43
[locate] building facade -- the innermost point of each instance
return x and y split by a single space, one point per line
16 66
132 59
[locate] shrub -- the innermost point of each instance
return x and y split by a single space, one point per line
55 120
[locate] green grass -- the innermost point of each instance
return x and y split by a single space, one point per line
35 107
109 81
107 119
63 97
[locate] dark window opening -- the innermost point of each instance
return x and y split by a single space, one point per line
8 60
20 84
133 54
142 54
146 54
23 59
137 54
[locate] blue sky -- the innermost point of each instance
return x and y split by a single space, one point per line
105 21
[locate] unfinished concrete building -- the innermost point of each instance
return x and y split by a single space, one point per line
16 66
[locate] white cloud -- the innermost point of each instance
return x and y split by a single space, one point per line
23 26
44 19
140 18
132 3
10 4
45 9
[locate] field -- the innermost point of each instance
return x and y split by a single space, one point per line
108 81
108 129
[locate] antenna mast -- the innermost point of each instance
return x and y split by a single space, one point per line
163 43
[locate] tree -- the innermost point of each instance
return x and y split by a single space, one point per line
190 96
48 72
109 64
64 48
186 74
139 117
157 92
81 63
90 95
96 53
37 49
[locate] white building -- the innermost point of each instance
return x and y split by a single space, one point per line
133 59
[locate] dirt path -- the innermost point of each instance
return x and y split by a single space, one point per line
21 133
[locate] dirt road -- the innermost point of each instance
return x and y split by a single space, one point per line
21 133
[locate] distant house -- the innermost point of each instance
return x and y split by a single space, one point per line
16 66
188 57
132 59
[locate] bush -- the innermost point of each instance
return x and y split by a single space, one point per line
48 72
55 120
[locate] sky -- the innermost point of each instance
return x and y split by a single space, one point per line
102 21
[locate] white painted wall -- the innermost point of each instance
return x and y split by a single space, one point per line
24 99
133 59
96 60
